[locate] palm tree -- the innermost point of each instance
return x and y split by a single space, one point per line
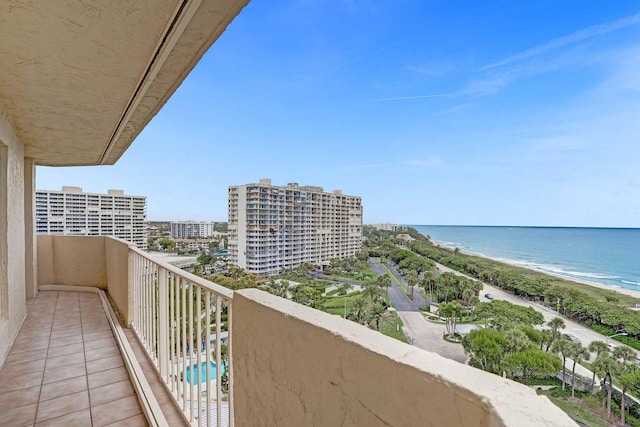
624 354
597 347
371 289
412 280
378 313
556 324
578 353
604 365
628 380
384 281
450 311
427 282
357 308
545 338
563 347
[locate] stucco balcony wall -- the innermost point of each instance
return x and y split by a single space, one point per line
96 261
296 366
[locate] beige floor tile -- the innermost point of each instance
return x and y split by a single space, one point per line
64 350
14 399
104 342
62 388
117 410
21 416
67 359
110 392
98 353
18 369
76 419
98 335
64 372
62 405
107 377
104 363
25 356
67 333
137 421
12 383
31 345
71 339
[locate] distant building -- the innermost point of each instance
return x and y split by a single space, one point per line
273 228
73 212
190 229
390 227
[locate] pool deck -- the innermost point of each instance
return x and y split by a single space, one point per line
65 368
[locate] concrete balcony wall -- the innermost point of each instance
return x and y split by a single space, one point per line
97 261
13 307
296 366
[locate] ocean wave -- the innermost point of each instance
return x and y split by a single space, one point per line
630 283
592 275
548 268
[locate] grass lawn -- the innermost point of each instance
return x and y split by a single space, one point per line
578 411
393 328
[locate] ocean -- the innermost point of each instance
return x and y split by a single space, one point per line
609 256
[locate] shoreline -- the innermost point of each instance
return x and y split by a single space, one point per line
620 290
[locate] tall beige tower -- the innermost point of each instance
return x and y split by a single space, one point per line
273 228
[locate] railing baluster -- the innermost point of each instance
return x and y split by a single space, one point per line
199 362
170 323
219 364
208 349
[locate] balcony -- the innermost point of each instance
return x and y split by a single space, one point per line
108 339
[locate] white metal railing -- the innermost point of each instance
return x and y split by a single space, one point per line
184 323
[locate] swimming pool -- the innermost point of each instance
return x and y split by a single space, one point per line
203 372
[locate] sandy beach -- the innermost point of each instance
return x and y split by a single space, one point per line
624 291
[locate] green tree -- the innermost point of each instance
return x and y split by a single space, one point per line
628 380
597 347
450 311
377 314
517 340
384 281
486 348
604 365
428 279
556 324
412 280
625 355
358 309
372 290
578 353
532 362
563 347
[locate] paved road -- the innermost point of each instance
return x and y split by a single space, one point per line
419 332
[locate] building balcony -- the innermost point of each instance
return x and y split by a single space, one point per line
114 336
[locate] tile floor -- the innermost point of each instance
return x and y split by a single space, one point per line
65 368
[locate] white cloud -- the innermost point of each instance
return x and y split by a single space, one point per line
577 36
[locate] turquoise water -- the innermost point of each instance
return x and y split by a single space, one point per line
203 372
610 256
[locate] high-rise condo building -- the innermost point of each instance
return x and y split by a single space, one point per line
72 212
272 228
187 229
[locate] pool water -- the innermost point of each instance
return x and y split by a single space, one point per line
203 372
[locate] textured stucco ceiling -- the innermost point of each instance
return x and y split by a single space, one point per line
81 79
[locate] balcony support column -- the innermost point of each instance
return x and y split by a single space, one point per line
30 243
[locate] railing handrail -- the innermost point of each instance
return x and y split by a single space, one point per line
207 284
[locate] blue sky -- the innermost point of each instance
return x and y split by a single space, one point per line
474 113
